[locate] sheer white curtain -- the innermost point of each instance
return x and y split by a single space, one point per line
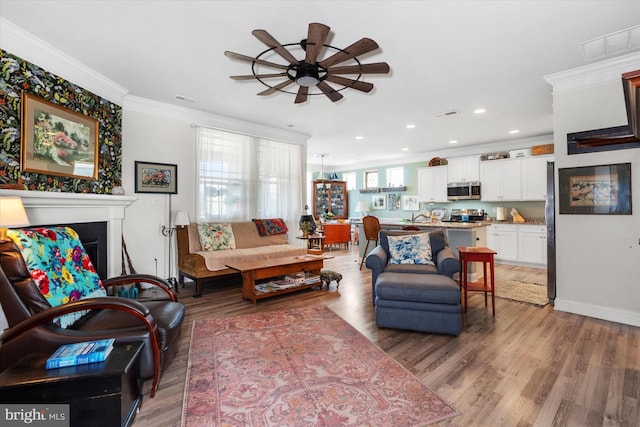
242 177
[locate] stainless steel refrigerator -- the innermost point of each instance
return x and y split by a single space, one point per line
550 221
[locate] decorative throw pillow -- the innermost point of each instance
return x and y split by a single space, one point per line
410 249
216 237
271 226
60 267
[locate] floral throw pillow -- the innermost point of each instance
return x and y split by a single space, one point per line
271 226
410 249
59 266
216 236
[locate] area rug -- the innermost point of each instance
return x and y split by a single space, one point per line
299 367
529 293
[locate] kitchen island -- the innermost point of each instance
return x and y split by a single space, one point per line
456 233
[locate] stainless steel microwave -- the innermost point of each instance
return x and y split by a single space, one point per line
463 191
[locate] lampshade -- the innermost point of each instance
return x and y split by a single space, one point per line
12 214
182 218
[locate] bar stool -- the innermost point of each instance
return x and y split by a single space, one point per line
469 254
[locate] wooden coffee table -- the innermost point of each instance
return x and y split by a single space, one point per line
269 269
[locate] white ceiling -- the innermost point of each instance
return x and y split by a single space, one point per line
443 55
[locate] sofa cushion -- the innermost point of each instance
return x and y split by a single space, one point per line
433 288
216 236
436 239
270 226
410 249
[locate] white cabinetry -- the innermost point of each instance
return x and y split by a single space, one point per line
464 169
534 177
432 184
503 238
500 180
532 244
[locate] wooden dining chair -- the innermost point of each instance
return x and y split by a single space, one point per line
371 225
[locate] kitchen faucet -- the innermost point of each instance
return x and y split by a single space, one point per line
414 217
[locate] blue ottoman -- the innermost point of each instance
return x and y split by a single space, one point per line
418 302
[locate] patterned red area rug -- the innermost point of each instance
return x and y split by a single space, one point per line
299 367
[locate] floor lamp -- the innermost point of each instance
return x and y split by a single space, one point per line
182 219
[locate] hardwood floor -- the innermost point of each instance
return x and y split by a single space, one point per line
527 366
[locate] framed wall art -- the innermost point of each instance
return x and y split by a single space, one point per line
57 141
378 202
156 178
603 189
394 202
410 203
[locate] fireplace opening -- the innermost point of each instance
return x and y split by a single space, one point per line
93 236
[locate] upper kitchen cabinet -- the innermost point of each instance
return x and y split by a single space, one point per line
463 169
330 196
432 184
500 180
534 177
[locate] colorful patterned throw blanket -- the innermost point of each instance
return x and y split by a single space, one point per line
59 265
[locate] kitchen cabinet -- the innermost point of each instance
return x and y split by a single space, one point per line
532 244
463 169
503 238
500 180
432 184
330 196
534 177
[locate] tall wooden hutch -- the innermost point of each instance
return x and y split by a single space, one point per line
330 196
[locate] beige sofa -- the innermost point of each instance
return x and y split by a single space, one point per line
201 266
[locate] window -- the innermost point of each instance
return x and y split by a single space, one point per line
350 178
371 179
242 177
395 177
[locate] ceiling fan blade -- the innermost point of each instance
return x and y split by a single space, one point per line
302 95
268 39
257 76
276 88
241 57
360 47
355 84
331 93
374 68
315 39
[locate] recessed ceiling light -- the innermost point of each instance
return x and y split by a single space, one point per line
479 111
410 126
453 141
514 131
405 149
359 137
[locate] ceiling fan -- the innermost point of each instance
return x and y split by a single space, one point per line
308 72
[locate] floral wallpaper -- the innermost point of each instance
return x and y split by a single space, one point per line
17 75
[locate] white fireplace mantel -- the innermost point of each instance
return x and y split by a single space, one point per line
46 208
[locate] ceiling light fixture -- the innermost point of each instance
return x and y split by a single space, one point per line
479 111
410 126
453 141
514 131
359 137
405 149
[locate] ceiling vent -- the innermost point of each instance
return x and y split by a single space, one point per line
447 113
184 98
611 44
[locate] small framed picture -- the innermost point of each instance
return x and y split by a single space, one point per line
394 202
410 203
156 178
603 189
378 202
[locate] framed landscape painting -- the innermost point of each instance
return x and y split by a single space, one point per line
57 141
603 189
156 178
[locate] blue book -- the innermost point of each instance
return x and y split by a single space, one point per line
80 353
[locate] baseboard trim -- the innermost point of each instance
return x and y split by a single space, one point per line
605 313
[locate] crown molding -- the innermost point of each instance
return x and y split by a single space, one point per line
19 42
594 74
201 118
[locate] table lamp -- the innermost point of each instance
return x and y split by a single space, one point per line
12 214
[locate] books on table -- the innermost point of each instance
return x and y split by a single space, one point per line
81 353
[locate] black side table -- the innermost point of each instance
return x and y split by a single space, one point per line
99 394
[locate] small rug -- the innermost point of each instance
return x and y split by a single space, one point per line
529 293
299 367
